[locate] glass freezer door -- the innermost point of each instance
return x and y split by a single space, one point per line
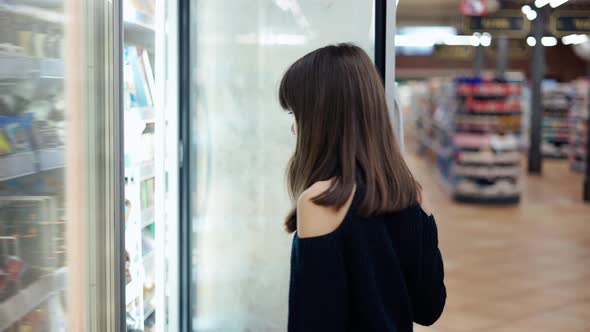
239 142
59 166
33 248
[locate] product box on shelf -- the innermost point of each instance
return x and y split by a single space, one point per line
555 125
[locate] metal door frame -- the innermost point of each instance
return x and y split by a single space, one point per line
95 169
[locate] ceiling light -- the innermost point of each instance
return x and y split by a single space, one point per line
574 39
549 41
475 39
531 15
485 39
457 40
531 41
541 3
525 9
557 3
412 41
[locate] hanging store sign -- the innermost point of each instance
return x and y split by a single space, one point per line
508 23
517 50
454 52
570 22
473 7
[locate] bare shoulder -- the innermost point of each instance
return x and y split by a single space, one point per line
315 220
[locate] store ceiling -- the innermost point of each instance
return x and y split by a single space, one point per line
447 12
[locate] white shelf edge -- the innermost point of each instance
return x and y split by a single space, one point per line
51 158
149 312
148 222
27 299
147 217
41 14
147 114
17 165
22 164
133 290
16 66
147 169
139 26
149 256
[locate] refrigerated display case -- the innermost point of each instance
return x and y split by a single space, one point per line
90 149
62 165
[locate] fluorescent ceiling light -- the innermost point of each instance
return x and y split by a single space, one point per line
574 39
531 15
458 40
541 3
430 36
549 41
531 41
557 3
475 40
485 39
413 41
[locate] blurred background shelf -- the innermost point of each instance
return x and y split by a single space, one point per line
32 296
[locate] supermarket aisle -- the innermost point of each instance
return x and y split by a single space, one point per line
521 268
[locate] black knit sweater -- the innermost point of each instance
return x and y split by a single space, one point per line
377 274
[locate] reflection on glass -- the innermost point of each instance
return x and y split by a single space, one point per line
240 145
32 131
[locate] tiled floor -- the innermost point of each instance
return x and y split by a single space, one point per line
519 268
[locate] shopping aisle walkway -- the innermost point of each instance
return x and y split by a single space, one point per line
520 268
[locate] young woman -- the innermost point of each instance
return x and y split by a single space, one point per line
365 255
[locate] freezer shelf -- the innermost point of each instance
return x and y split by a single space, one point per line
16 307
17 165
132 291
22 67
26 163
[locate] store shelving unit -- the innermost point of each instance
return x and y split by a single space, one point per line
29 298
474 128
140 161
486 163
579 122
556 127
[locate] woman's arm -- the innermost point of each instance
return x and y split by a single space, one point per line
431 292
318 299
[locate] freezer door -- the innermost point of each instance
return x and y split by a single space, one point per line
239 142
60 174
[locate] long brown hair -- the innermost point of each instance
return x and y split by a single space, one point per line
344 129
